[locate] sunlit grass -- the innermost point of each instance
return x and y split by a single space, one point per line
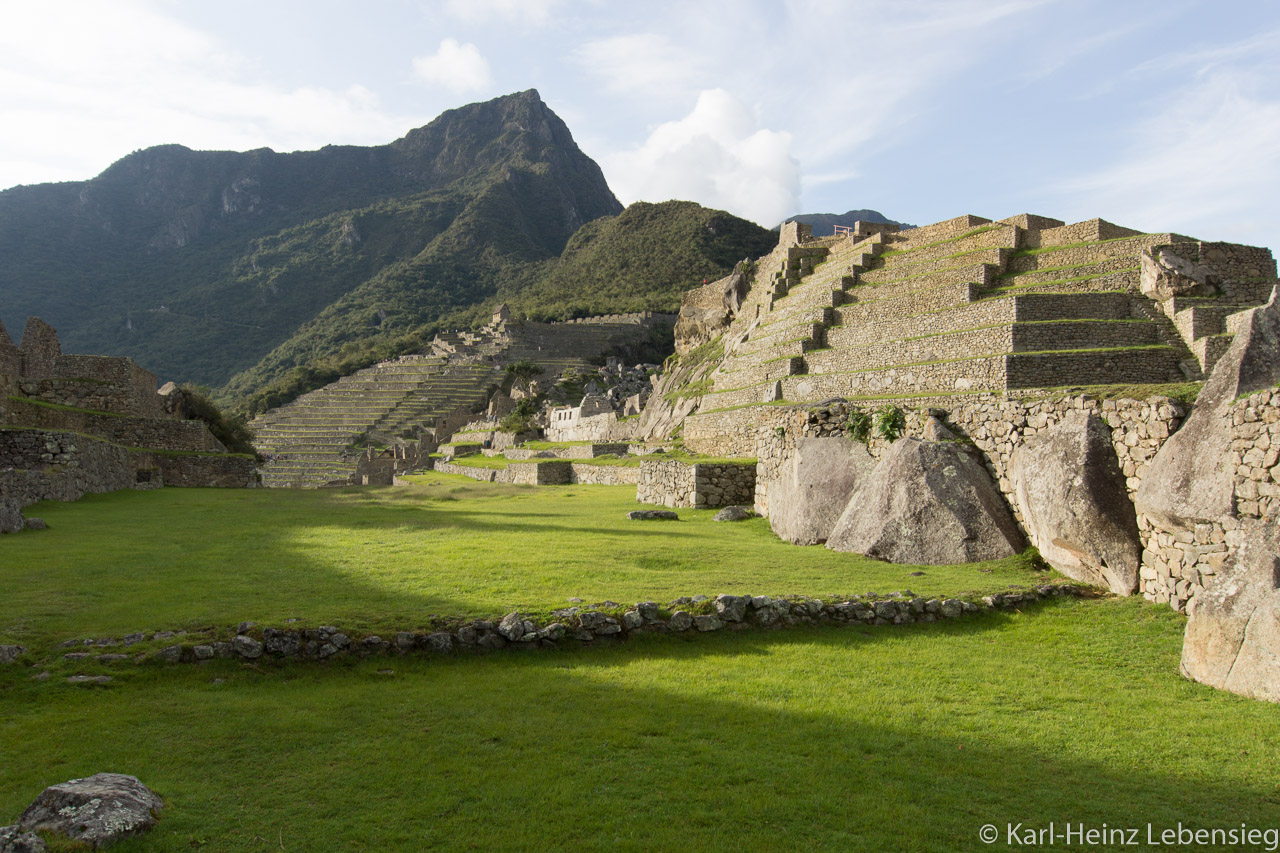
393 558
832 739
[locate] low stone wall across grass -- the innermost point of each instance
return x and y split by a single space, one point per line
587 624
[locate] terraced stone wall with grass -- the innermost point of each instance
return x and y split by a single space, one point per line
87 394
137 385
127 430
679 484
198 470
60 466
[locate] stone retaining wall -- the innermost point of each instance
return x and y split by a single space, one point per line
36 466
198 470
552 473
127 430
85 394
587 624
1178 564
672 483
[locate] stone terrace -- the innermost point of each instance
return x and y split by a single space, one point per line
969 305
310 441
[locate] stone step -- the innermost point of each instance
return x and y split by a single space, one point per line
1124 263
1124 281
751 374
990 236
983 274
867 310
1209 349
892 269
1156 364
987 311
1057 257
984 373
987 340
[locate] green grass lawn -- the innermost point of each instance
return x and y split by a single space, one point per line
832 739
392 558
820 738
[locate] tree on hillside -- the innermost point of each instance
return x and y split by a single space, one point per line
522 373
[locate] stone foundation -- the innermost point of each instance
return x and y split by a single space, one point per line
670 483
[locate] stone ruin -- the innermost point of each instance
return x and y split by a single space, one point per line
942 394
72 424
417 402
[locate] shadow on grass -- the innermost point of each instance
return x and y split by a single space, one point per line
808 739
125 562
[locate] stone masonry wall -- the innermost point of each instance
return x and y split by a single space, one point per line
671 483
153 433
60 466
1175 563
82 394
1178 563
136 385
199 470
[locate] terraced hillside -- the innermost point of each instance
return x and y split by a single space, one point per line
311 441
969 305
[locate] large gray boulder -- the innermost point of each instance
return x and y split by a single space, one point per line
814 486
96 811
12 840
1233 636
927 502
1190 480
1071 493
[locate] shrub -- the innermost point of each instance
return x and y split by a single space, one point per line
858 425
232 431
521 417
890 423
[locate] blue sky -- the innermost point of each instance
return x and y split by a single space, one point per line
1156 115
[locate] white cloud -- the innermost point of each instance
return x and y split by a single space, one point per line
537 12
83 83
1205 164
718 156
457 67
642 64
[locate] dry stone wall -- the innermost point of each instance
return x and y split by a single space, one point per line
199 470
551 473
1178 563
154 433
672 483
37 466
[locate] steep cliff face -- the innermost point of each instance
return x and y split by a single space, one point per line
175 257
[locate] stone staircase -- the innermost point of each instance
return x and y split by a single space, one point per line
311 441
969 305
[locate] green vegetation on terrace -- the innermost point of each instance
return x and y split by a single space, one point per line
973 232
386 559
1062 268
1142 348
58 407
1183 392
862 738
1040 250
